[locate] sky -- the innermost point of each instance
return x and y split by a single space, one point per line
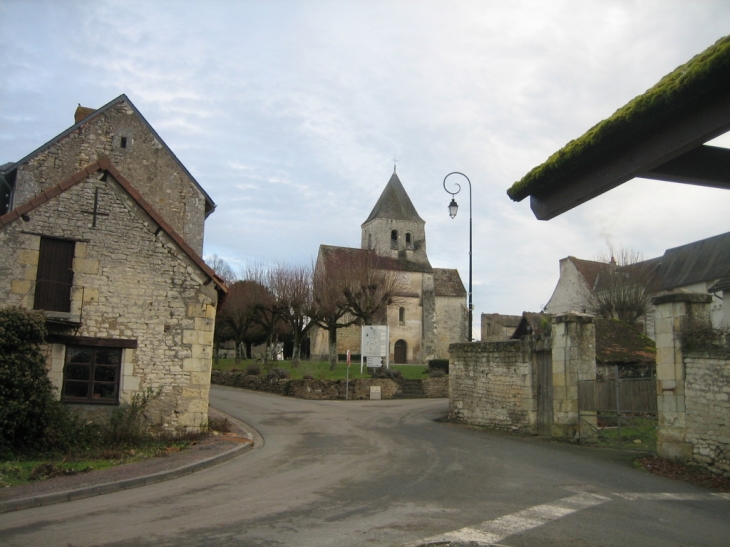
293 114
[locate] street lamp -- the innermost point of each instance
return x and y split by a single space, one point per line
453 209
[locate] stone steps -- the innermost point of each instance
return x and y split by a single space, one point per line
410 389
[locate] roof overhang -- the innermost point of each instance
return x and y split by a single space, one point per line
677 153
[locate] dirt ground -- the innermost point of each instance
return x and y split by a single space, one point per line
683 472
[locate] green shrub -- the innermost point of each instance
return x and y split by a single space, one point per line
27 401
439 364
277 374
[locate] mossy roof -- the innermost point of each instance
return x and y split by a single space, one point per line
705 78
617 342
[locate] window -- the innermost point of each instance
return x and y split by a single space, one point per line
91 375
7 184
123 142
409 240
394 239
55 275
402 315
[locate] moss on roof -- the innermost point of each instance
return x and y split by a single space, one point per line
706 77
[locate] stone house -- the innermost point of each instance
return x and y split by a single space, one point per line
695 267
101 229
431 313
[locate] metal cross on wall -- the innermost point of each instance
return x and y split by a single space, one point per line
95 213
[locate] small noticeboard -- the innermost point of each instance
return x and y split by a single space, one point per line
374 393
374 346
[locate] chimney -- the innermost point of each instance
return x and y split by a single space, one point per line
82 112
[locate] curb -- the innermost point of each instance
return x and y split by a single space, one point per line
123 484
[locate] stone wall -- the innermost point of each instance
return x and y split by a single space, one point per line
131 282
161 180
491 385
707 401
359 389
495 384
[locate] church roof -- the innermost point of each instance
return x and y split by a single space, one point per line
394 203
382 262
105 164
82 116
447 282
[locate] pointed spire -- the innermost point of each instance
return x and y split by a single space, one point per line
394 203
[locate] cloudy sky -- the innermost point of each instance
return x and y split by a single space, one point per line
290 113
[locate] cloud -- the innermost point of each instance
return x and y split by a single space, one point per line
289 114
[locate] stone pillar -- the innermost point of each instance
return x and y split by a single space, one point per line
670 309
574 359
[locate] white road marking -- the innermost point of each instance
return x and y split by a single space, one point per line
671 496
494 531
491 532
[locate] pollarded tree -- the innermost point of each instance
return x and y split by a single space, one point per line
372 285
237 319
330 310
623 289
292 289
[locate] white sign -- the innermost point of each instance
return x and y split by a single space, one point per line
374 341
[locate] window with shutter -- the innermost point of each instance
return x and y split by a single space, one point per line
55 275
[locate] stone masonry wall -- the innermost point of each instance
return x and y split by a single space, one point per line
130 282
451 324
491 385
359 389
707 401
143 161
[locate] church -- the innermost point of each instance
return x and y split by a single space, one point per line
431 312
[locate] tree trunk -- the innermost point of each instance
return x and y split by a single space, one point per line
333 348
238 352
295 352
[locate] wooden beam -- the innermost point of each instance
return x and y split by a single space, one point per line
702 166
674 140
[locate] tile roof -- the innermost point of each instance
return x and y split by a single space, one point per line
105 164
447 282
704 260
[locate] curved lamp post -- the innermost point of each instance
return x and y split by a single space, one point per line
453 209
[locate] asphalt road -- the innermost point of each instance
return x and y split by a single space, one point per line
386 473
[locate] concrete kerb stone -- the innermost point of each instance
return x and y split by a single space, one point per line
7 506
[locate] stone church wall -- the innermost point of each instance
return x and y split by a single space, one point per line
130 282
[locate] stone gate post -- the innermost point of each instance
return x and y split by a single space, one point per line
670 309
574 359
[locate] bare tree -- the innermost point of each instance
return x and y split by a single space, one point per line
353 286
225 272
237 318
373 283
268 308
291 287
222 269
623 289
330 310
